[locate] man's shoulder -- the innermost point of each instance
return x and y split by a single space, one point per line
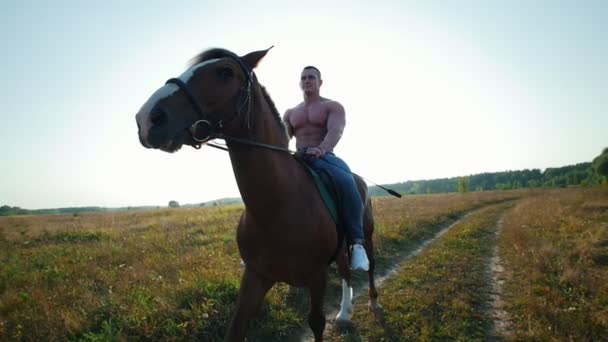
329 103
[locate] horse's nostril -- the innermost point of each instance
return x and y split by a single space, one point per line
158 116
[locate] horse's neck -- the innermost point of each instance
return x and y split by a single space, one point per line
263 175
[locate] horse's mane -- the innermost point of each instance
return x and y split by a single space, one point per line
221 53
211 54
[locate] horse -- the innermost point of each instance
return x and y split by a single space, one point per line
285 233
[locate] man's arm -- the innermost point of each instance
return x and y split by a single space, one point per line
336 120
288 125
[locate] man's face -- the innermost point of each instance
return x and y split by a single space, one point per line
309 81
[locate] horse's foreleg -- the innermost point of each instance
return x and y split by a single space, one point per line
346 306
316 317
251 294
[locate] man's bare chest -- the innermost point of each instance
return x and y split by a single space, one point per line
312 115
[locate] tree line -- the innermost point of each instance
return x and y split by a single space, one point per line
582 174
6 210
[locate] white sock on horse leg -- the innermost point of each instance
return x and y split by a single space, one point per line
346 307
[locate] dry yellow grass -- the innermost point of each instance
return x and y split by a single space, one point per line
63 275
555 248
441 294
162 274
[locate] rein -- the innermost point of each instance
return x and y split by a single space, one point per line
248 143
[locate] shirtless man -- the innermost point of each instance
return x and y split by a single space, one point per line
318 123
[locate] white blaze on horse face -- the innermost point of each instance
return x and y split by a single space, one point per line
143 116
346 307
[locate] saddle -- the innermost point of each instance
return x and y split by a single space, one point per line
327 188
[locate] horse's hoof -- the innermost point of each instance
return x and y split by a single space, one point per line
376 309
373 304
344 324
379 314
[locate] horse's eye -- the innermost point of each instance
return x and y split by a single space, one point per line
225 73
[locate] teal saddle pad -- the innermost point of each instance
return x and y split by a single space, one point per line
326 189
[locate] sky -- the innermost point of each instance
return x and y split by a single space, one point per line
432 89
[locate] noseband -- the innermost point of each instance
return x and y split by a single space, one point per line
206 128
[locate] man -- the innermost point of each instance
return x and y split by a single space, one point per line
318 123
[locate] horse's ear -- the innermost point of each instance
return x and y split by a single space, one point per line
252 59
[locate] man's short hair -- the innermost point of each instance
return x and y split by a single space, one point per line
308 67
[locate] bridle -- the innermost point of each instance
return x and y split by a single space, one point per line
206 129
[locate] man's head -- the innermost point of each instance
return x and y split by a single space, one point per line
310 80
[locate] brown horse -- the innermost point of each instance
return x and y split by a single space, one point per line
286 233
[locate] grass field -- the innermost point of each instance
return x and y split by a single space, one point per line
173 274
556 247
442 293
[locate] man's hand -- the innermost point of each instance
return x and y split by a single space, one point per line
315 152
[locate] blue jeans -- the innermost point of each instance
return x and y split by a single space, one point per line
351 204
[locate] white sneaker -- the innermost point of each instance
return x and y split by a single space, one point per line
359 259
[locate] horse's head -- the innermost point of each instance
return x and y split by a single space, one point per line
210 94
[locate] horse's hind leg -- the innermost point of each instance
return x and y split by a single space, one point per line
368 228
373 293
253 289
346 306
316 317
